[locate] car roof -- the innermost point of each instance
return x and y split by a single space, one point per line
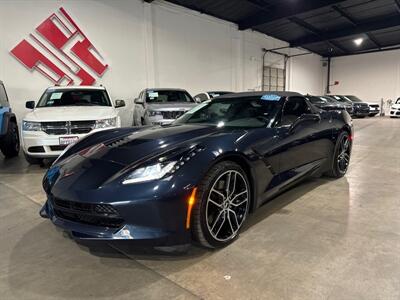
259 94
77 87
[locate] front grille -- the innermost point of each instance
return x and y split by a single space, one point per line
398 113
58 147
374 105
68 127
172 114
103 215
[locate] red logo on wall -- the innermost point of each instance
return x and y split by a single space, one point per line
60 50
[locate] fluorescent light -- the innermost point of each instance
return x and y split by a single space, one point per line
358 41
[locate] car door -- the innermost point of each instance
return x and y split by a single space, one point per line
303 142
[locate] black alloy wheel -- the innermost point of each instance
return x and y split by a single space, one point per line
222 205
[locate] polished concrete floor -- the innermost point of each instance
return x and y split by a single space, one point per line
322 240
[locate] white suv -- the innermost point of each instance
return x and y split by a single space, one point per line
64 115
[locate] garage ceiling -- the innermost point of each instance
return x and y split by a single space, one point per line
328 28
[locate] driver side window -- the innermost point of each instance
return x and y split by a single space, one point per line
294 108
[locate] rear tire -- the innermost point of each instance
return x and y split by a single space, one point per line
10 142
33 160
341 156
222 205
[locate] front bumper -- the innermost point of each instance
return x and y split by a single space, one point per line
42 145
155 221
394 113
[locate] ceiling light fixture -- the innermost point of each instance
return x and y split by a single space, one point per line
358 41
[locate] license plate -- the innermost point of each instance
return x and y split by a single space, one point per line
68 140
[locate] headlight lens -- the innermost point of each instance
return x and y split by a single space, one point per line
167 164
153 113
152 172
31 126
105 123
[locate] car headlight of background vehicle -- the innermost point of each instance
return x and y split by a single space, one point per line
165 165
105 123
153 113
31 126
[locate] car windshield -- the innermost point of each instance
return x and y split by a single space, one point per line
320 100
75 97
246 112
217 94
353 98
342 99
398 101
167 96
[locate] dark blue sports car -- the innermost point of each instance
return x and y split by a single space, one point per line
198 178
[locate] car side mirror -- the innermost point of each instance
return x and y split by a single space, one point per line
119 103
197 99
30 104
305 118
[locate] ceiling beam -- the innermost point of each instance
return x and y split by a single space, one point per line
353 22
316 32
361 28
283 10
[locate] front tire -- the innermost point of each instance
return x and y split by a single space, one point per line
341 156
10 143
223 201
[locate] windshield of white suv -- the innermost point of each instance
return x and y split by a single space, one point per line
75 97
244 112
166 96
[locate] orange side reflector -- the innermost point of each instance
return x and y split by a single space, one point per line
190 201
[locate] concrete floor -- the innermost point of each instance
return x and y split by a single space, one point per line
322 240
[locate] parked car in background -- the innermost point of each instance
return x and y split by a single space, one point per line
395 109
374 109
161 106
9 138
360 108
62 116
328 103
209 95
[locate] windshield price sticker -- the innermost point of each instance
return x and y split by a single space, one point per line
271 97
56 96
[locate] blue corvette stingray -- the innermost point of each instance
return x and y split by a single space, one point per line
198 178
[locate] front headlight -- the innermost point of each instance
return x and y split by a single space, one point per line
168 164
153 113
105 123
31 126
152 172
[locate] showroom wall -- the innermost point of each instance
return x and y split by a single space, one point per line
369 76
150 45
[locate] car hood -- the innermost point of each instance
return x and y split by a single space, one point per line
171 106
70 113
396 106
92 166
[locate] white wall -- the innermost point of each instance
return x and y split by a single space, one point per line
150 45
369 76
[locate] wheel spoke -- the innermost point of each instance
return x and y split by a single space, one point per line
240 203
219 229
215 203
238 195
228 183
236 220
234 185
230 224
218 193
216 220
